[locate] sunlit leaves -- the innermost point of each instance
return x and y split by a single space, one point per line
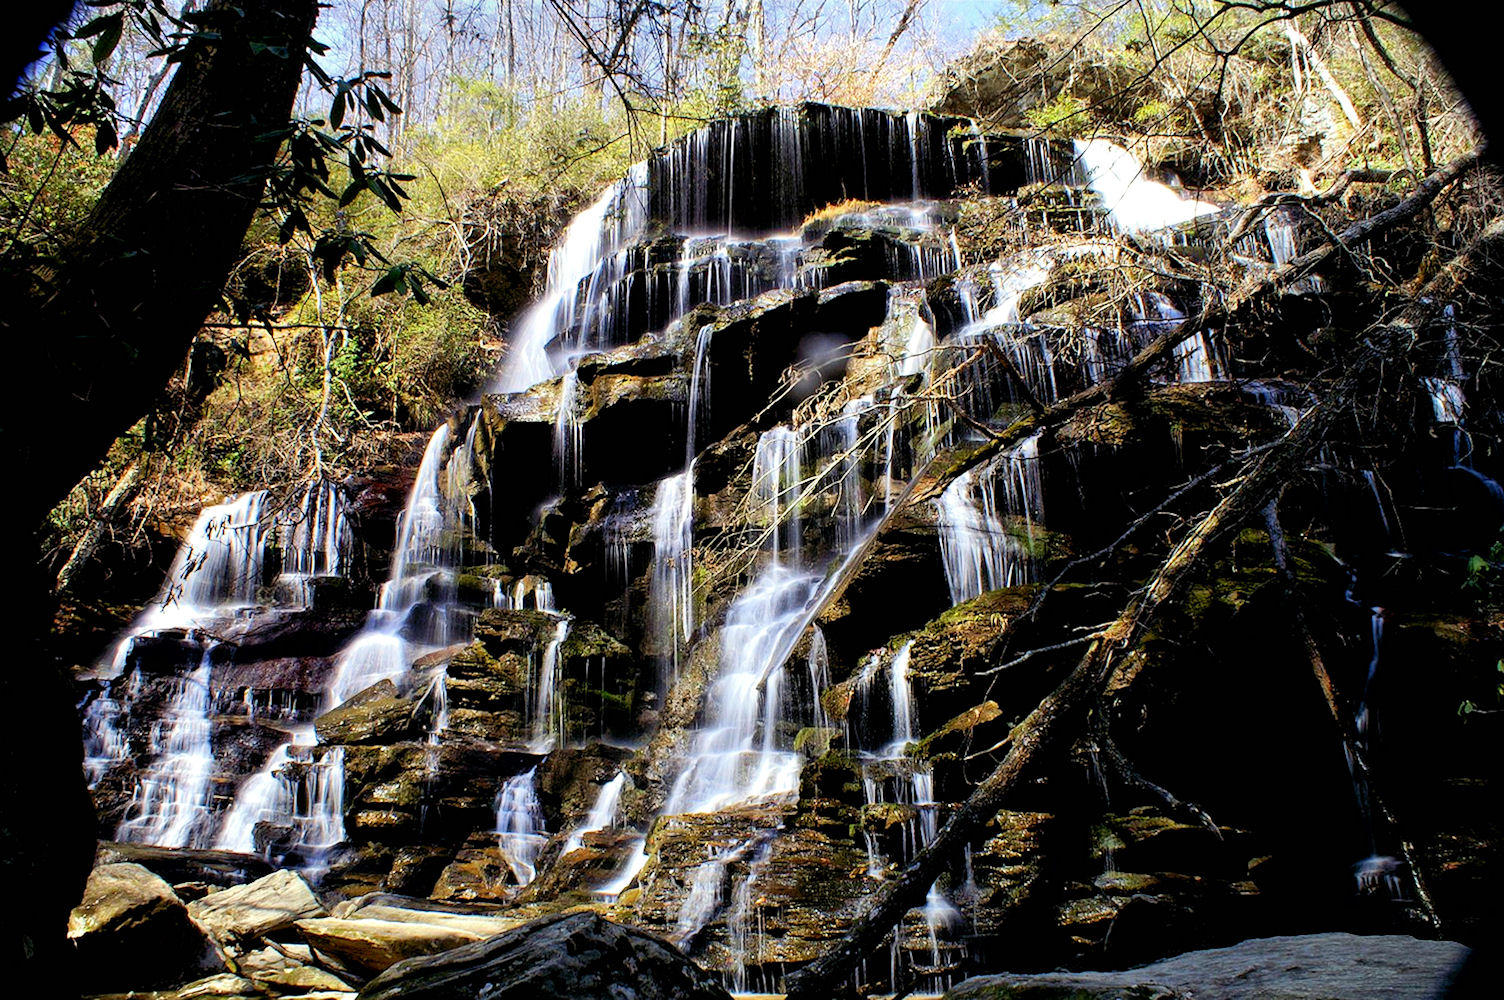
407 278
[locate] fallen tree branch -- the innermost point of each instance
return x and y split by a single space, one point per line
1253 213
1025 657
119 497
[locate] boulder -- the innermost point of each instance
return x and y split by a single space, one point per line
374 715
1304 967
482 921
131 931
225 985
374 945
265 906
582 956
288 969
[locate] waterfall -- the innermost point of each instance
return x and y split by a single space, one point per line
568 431
1280 232
736 756
238 554
591 239
744 931
299 787
767 170
914 787
545 687
637 860
171 807
818 664
699 391
705 893
382 649
421 575
602 814
979 546
715 218
1134 203
777 477
520 829
671 594
1375 873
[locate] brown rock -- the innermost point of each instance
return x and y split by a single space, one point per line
263 907
374 945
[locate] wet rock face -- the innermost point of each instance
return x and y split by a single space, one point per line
580 956
789 162
375 715
560 485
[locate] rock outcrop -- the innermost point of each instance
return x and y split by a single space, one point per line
580 956
238 916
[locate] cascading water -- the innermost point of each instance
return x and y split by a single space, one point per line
222 572
385 647
1134 203
736 757
819 484
671 598
602 815
394 636
589 244
913 785
546 688
520 829
567 431
980 543
171 806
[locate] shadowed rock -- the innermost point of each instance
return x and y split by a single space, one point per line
579 955
131 931
1307 967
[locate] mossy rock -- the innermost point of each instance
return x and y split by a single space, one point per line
816 741
948 738
881 817
374 715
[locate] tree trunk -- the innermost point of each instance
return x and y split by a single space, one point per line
92 340
102 331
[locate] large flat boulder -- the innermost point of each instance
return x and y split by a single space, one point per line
131 931
375 945
1303 967
381 906
581 956
234 917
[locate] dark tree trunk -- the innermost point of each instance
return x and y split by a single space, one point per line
90 343
100 335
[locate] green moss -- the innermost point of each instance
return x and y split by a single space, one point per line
815 741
